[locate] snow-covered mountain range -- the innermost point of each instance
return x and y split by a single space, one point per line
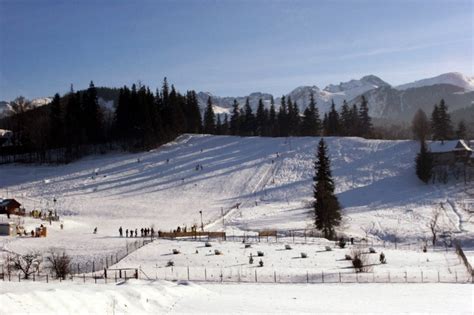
396 103
385 101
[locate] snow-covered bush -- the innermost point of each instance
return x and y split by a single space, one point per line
288 247
304 255
217 252
260 254
207 244
359 261
348 257
328 248
372 250
175 251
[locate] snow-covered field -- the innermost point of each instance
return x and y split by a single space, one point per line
271 181
160 297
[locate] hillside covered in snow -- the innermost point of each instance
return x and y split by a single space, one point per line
270 179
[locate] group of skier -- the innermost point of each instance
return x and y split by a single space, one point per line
144 232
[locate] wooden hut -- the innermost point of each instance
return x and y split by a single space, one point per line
10 206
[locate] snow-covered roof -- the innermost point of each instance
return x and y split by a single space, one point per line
5 133
449 146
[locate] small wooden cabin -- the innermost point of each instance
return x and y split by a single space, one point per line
450 152
10 206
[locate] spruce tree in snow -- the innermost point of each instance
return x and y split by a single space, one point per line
261 119
209 118
218 125
461 131
442 128
56 123
420 126
346 119
327 209
225 125
424 163
283 118
333 123
311 124
249 121
235 119
272 119
92 115
364 118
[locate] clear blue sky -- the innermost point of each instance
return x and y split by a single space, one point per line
228 48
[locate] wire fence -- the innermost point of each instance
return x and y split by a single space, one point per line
269 275
99 263
252 275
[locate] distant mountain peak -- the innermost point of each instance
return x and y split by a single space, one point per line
452 78
366 83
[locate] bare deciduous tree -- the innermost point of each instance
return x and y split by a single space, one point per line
60 262
27 264
433 225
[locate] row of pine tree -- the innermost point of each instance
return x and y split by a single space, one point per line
142 119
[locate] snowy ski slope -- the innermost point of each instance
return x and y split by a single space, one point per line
271 179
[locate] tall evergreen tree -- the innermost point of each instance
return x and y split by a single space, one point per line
424 163
92 115
261 119
442 128
420 126
326 205
249 119
346 119
225 125
235 119
461 132
56 123
272 119
282 118
193 113
311 124
355 125
365 125
333 124
209 118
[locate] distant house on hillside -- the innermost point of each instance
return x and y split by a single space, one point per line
5 137
10 206
450 152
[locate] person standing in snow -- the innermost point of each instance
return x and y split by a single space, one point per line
126 233
95 230
120 231
136 232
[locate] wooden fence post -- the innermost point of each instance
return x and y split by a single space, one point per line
256 279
